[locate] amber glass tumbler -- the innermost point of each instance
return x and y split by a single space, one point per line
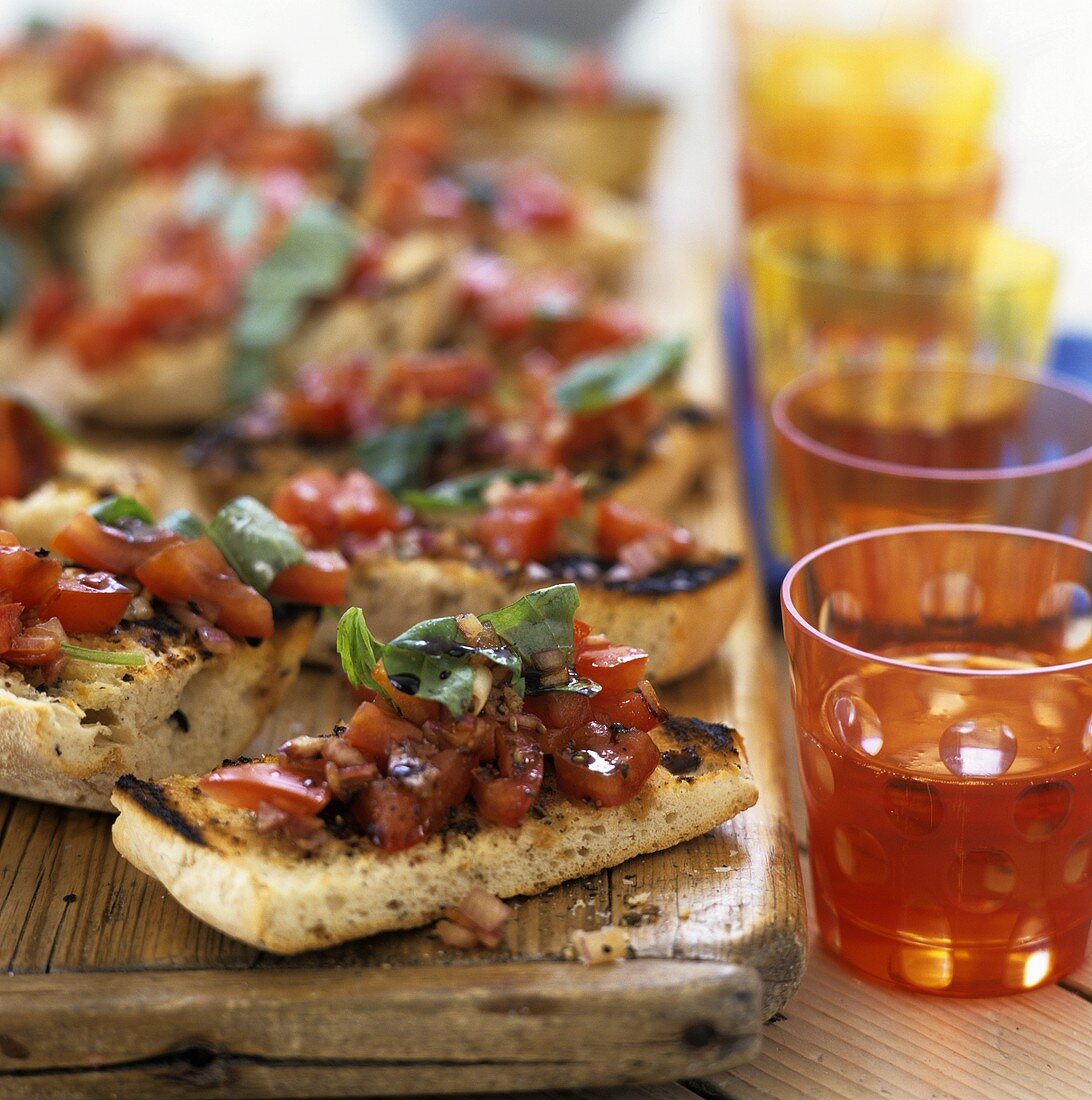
942 686
870 447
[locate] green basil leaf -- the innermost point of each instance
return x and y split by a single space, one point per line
458 493
310 260
102 656
539 621
184 522
358 650
398 458
249 371
12 274
256 544
601 381
110 511
266 322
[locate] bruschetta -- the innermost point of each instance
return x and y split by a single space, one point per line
508 752
136 646
487 539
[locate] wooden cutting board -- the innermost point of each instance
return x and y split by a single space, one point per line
112 987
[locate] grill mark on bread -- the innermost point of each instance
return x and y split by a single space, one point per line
151 798
694 733
587 569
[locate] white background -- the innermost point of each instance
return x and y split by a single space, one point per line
324 52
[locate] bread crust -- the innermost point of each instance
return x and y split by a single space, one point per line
260 889
394 594
184 709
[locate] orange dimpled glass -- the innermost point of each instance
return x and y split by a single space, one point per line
942 682
872 447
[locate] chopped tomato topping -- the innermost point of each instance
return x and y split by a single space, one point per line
27 577
616 668
604 766
618 525
249 785
625 425
319 581
507 796
328 506
98 338
440 377
374 729
35 645
559 710
47 307
526 525
196 571
601 328
87 603
330 401
532 305
87 542
627 708
10 624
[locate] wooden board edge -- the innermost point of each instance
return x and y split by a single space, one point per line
419 1030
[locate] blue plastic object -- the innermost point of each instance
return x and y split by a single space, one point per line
1071 356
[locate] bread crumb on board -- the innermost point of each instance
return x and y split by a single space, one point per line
604 945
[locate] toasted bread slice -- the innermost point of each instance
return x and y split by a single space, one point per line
229 463
260 889
184 709
660 613
84 478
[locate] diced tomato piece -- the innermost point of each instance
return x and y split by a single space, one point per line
455 770
307 500
581 630
507 797
268 147
526 525
618 525
99 339
607 769
320 581
330 401
530 305
391 814
627 423
197 571
249 785
87 542
366 267
27 577
35 645
363 506
560 710
628 708
87 603
517 534
46 308
615 668
375 730
329 506
602 328
440 376
10 623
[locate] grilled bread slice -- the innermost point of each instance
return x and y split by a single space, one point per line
259 888
658 613
184 709
229 462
